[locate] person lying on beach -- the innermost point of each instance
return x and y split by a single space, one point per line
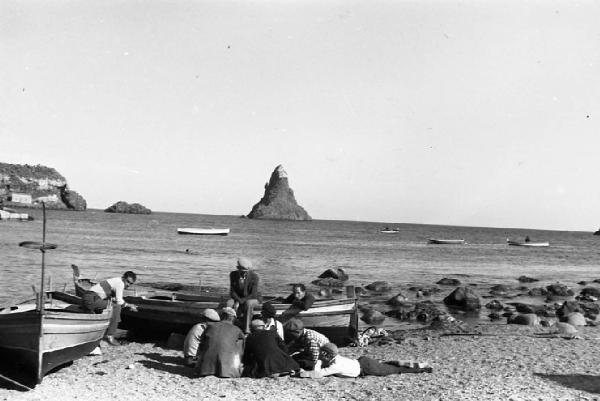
331 363
305 344
221 348
96 299
300 300
268 314
265 353
194 337
243 290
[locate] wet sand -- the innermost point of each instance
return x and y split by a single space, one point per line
505 362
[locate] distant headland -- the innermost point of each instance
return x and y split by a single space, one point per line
278 202
22 185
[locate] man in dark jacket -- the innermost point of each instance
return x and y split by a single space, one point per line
243 290
265 353
300 300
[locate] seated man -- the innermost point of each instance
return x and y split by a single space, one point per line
265 353
300 300
96 299
305 343
221 348
243 290
332 364
194 337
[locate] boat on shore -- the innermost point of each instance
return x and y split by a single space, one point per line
438 241
160 313
10 214
597 232
527 244
41 334
203 231
387 230
35 340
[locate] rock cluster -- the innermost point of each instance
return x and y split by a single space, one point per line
278 202
124 207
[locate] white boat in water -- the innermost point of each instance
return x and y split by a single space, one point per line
525 243
203 231
446 241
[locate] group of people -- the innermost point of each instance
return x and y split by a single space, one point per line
271 346
233 343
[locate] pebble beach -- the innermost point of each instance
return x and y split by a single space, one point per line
497 362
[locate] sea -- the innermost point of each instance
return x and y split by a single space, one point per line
284 252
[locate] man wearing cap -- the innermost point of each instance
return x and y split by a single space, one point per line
299 299
330 363
243 290
194 337
305 344
221 349
265 353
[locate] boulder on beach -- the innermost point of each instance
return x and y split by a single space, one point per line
559 290
574 319
397 300
338 274
525 279
449 281
371 316
328 282
379 286
494 305
464 298
499 289
537 292
526 319
278 201
593 291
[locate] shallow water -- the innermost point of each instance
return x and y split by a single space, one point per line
105 244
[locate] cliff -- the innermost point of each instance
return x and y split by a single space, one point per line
278 202
124 207
22 185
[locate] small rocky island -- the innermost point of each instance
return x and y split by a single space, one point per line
278 202
130 208
26 186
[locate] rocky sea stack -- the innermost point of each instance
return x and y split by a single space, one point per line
124 207
278 202
22 185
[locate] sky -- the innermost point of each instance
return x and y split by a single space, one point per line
473 113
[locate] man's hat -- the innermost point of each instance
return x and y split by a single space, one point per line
244 264
256 323
268 310
331 348
294 325
229 311
211 314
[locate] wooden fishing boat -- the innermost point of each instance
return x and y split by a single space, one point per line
203 231
527 244
41 334
438 241
390 230
34 340
160 313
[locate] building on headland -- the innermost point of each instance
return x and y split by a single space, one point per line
20 198
46 199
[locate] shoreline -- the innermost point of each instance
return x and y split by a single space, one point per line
502 362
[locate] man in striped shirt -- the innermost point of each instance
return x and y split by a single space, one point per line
306 343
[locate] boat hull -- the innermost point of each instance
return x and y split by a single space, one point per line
446 241
529 244
203 231
159 316
40 342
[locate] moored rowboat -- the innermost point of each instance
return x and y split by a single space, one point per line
203 231
446 241
528 244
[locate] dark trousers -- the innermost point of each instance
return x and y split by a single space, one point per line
93 303
371 367
289 313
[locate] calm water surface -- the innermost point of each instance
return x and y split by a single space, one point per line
106 244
